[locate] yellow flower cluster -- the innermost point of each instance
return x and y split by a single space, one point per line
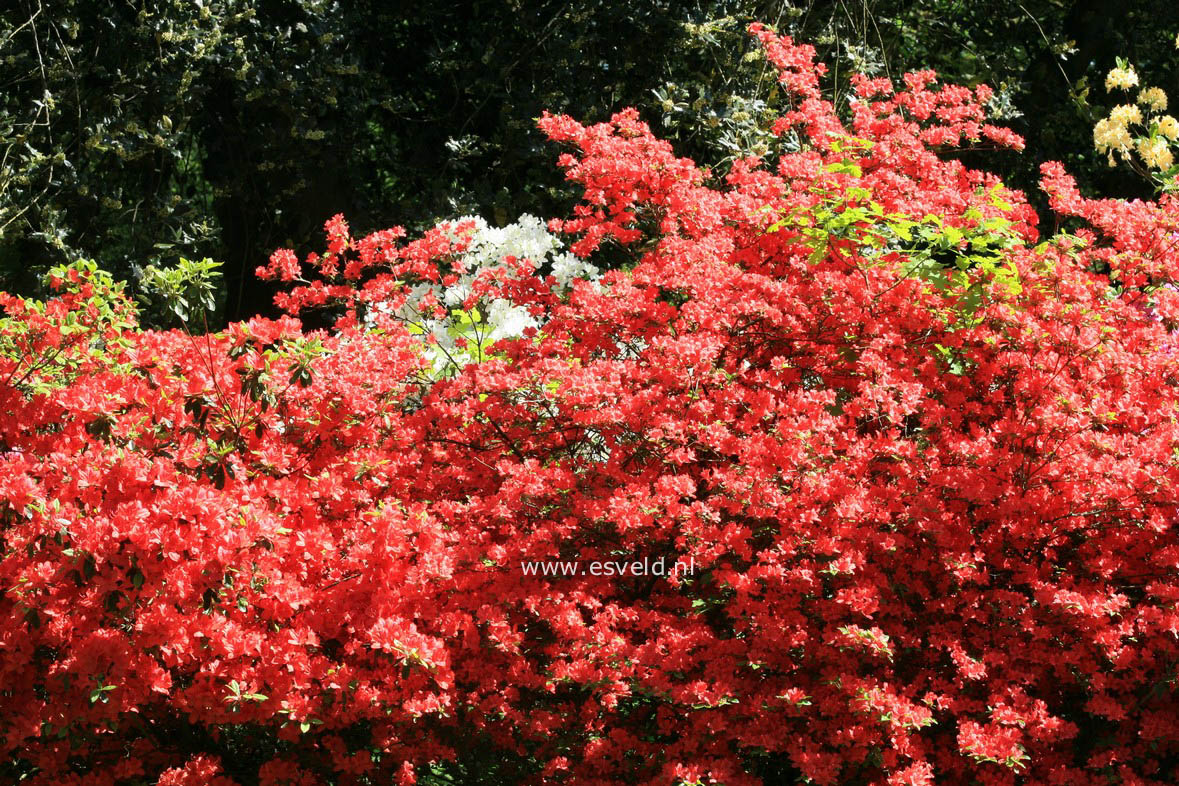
1169 127
1155 152
1125 114
1116 135
1121 78
1110 137
1153 97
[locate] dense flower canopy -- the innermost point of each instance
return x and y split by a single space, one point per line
922 460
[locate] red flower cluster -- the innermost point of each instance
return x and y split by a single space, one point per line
924 465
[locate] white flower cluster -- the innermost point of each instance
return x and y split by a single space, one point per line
527 240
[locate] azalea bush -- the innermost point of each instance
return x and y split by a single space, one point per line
922 458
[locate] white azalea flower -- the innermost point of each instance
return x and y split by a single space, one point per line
527 240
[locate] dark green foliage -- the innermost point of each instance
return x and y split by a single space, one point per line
140 133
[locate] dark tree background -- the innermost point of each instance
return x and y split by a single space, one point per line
137 132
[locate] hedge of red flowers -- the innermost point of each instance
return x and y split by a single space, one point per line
923 460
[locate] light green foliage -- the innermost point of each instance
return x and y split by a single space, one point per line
470 332
51 345
962 262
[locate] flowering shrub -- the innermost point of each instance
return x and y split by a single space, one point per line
923 462
1140 134
461 334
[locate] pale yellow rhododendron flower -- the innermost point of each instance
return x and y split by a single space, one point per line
1125 114
1169 127
1111 137
1155 153
1153 97
1123 78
